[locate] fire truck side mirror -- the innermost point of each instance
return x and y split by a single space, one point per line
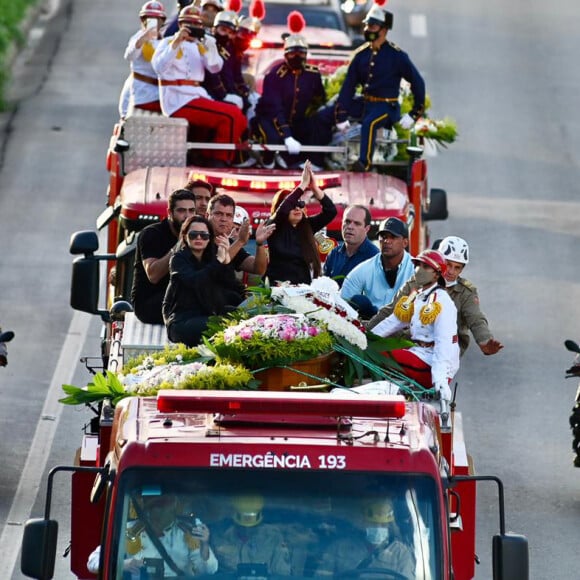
84 290
39 548
510 557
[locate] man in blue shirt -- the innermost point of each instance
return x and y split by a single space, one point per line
374 283
356 247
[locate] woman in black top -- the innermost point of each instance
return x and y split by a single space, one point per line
292 248
202 282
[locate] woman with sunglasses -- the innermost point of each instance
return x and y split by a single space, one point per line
202 282
292 248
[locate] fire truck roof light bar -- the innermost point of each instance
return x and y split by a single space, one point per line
280 403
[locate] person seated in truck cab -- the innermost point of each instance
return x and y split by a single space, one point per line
377 546
286 112
163 543
222 210
180 62
155 246
202 282
246 539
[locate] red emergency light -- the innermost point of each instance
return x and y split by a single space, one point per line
280 403
257 182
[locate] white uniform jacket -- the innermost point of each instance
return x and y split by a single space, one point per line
187 61
142 91
443 356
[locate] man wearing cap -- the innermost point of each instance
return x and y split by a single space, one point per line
355 247
285 114
375 282
378 66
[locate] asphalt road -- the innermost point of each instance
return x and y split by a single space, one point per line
507 72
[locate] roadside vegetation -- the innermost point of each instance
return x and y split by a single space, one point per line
12 13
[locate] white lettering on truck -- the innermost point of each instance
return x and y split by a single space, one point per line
273 461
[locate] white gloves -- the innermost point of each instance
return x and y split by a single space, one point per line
292 145
209 42
444 390
234 100
344 126
406 121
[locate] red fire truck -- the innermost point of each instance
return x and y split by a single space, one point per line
316 471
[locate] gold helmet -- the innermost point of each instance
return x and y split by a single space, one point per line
226 18
248 510
379 511
190 15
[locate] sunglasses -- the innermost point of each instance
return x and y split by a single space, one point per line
299 204
192 235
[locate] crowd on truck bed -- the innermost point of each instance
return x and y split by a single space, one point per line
192 68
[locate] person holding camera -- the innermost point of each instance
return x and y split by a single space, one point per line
293 250
181 62
163 543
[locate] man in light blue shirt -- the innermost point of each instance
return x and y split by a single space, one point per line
374 282
356 247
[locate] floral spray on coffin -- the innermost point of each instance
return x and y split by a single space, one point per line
282 350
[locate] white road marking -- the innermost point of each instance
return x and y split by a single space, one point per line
418 23
41 445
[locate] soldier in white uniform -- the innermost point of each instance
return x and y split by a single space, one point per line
142 82
431 317
180 62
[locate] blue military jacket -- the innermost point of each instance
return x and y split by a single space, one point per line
379 73
288 97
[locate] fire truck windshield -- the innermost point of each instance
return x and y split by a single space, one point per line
271 524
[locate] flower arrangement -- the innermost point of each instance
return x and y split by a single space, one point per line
318 302
269 340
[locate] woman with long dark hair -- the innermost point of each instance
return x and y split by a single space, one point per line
202 282
292 248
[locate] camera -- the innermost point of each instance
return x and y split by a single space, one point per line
196 32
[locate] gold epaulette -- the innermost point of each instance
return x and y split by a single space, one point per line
282 71
361 48
393 45
311 68
429 313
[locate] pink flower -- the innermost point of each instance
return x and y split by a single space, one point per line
313 331
246 333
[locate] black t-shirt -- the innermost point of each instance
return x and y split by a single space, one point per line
155 241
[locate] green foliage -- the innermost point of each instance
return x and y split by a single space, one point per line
104 386
12 13
258 352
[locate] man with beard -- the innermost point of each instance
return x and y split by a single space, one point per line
355 247
154 249
286 112
203 192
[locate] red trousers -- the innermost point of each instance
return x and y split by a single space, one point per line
154 106
412 366
228 122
